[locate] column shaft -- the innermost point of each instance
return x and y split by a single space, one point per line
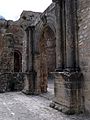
59 42
29 85
70 34
29 49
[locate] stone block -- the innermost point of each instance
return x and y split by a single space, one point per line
68 90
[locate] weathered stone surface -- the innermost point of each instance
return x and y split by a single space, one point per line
68 91
11 82
11 40
84 46
14 106
54 42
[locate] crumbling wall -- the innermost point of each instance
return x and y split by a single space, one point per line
6 59
11 39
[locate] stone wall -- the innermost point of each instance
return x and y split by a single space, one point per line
39 45
84 47
44 47
11 40
11 82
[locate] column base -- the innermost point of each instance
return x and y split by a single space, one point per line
29 84
68 92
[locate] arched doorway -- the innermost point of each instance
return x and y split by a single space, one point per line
17 61
47 48
14 84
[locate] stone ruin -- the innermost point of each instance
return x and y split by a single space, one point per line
55 42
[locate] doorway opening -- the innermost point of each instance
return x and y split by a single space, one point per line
17 61
47 60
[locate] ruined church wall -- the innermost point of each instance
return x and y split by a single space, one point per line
6 59
84 46
11 39
50 20
40 24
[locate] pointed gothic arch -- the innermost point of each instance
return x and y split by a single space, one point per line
47 50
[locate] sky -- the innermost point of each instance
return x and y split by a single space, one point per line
11 9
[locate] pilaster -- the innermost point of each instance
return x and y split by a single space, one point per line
29 76
59 43
68 82
70 34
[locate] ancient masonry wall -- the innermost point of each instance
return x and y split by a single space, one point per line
11 37
46 20
84 46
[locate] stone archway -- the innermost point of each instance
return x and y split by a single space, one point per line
17 61
47 49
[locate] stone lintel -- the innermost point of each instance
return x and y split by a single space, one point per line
68 92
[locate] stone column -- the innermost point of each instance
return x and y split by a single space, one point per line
70 34
29 49
29 86
59 43
68 84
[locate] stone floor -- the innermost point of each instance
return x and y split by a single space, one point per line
17 106
50 90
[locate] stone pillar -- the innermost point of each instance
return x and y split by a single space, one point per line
59 43
29 84
70 34
29 49
68 92
68 84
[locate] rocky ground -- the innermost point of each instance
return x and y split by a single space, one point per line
17 106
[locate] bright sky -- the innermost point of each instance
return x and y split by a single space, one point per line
11 9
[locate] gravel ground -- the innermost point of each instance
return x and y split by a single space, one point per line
17 106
